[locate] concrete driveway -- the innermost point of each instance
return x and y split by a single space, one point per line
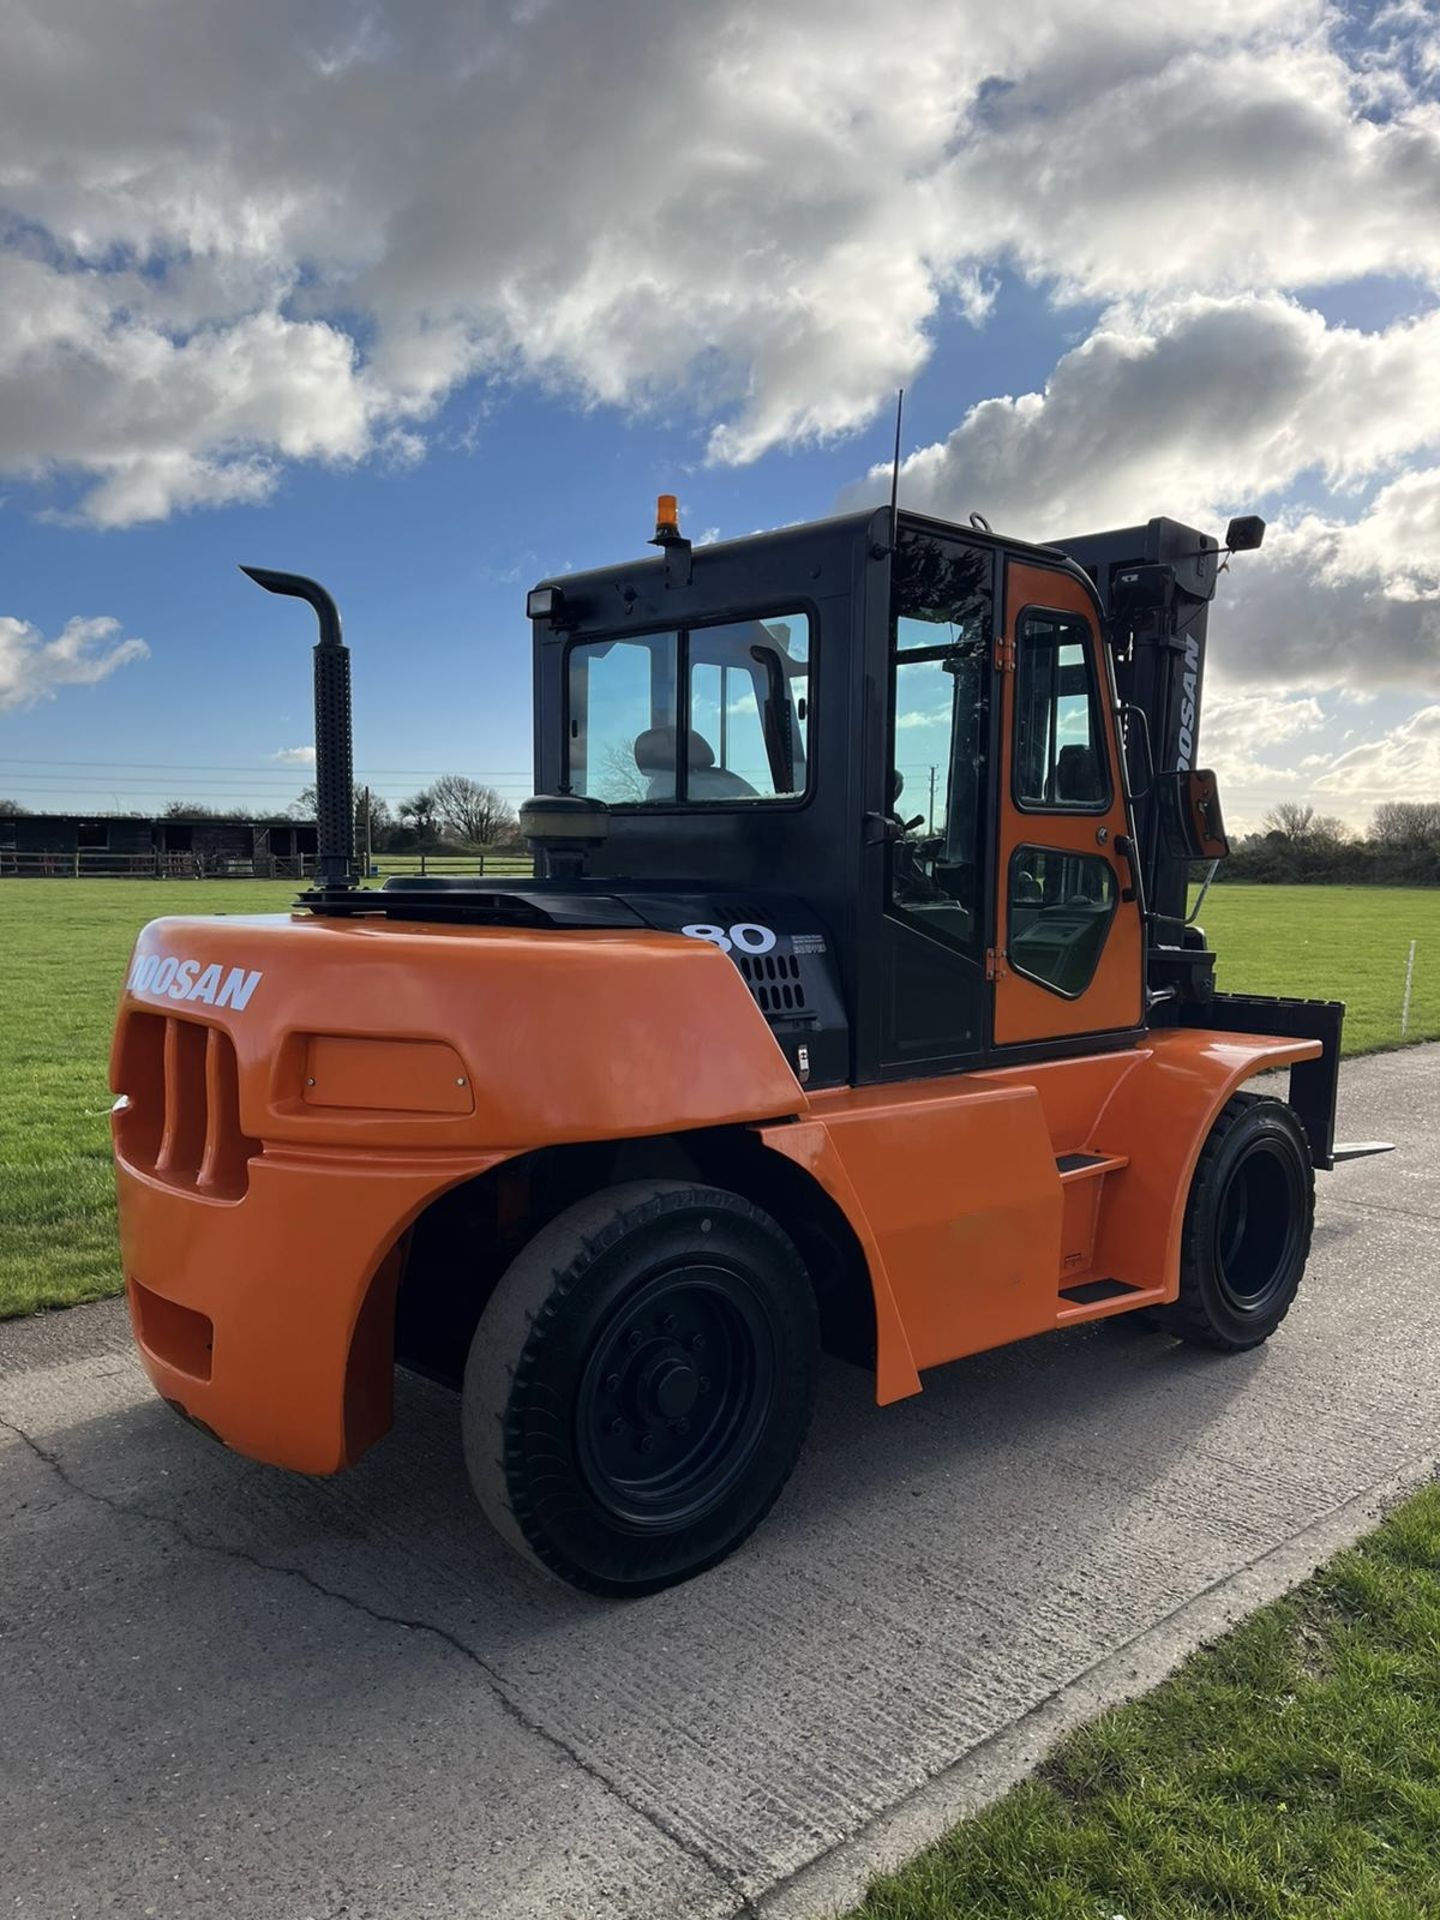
227 1691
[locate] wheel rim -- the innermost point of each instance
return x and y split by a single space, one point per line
674 1396
1257 1229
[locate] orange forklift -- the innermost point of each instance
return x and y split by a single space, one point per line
854 1004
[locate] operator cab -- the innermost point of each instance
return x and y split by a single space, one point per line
887 744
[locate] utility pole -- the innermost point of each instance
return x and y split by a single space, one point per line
930 816
368 850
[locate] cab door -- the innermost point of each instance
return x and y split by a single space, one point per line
1069 954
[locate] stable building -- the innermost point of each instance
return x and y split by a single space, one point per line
122 845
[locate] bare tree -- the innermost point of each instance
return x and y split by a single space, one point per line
618 777
1290 820
468 811
1303 827
1410 826
421 813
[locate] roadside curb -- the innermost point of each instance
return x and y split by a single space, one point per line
836 1880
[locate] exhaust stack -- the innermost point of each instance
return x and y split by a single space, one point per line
334 753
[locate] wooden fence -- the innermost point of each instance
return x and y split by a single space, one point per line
497 865
88 864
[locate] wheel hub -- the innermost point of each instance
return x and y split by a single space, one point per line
669 1389
673 1395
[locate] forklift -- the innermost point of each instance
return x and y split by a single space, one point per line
856 1004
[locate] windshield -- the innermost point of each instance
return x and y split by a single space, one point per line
694 715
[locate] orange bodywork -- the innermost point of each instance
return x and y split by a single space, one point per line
294 1092
971 1227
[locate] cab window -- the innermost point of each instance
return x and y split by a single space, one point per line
709 714
1061 905
1060 760
942 627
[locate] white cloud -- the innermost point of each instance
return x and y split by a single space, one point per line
1334 602
1175 407
1250 741
1268 747
287 231
164 422
1252 154
1403 764
1198 407
84 651
294 756
1237 731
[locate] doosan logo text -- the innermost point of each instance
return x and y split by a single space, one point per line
1189 697
175 979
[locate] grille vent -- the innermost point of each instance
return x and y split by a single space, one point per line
774 979
182 1123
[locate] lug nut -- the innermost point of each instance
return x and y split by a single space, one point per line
697 1343
682 1426
617 1425
669 1323
647 1443
612 1383
704 1383
634 1339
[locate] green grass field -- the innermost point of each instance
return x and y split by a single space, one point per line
1333 943
63 949
64 943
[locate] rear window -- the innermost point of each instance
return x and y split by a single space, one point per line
705 715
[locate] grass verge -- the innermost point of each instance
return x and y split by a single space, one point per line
1290 1772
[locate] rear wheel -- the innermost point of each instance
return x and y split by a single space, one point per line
640 1384
1247 1228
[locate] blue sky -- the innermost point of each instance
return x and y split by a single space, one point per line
429 563
447 310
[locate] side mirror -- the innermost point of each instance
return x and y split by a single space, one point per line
1244 533
1190 818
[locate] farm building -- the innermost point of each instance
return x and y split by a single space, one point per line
41 844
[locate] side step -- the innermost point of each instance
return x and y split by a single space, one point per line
1088 1166
1081 1293
1089 1292
1099 1299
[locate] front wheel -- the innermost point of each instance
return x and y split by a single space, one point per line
640 1385
1247 1228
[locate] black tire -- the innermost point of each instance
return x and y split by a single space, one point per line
1247 1228
597 1445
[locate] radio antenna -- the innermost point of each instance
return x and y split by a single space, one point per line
895 474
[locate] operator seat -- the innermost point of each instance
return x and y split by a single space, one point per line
655 751
1077 775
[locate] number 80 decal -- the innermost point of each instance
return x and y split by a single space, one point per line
745 935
